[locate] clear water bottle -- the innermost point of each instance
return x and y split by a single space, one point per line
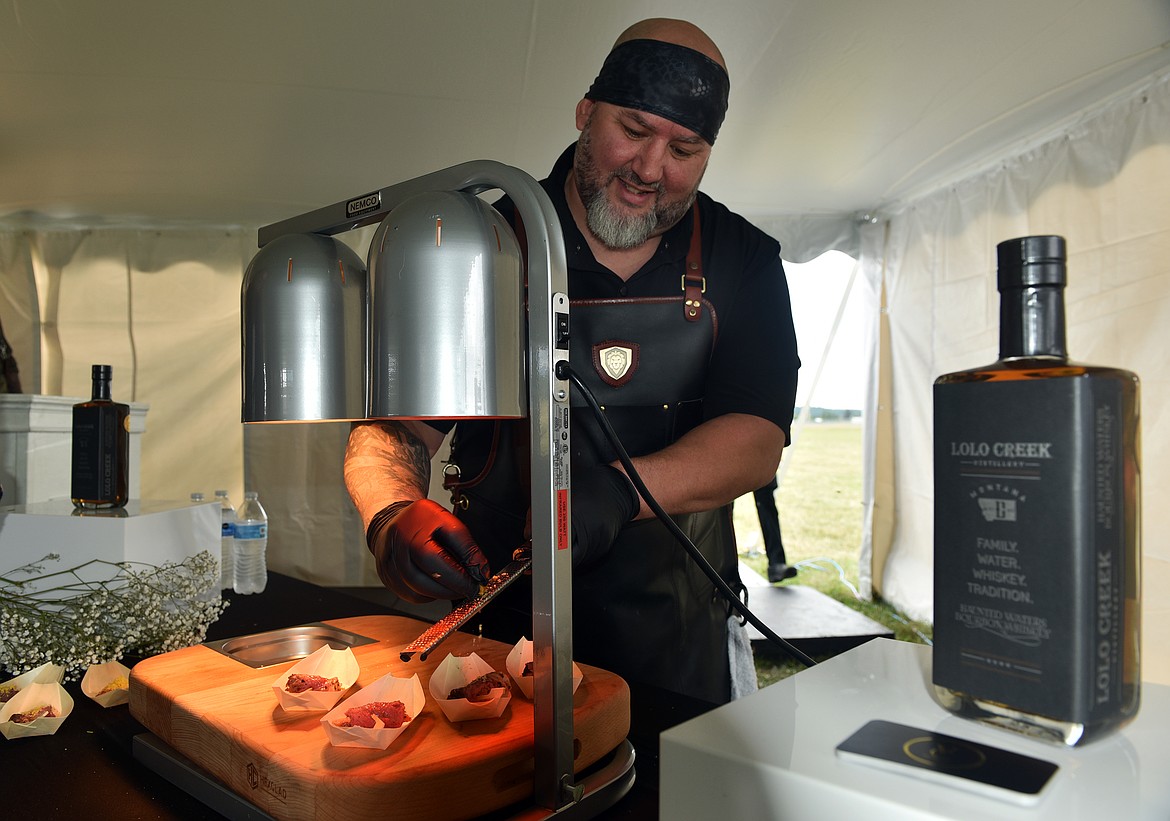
251 542
227 544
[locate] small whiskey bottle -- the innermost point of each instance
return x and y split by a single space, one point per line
1037 523
101 448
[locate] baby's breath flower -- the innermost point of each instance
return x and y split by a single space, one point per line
70 618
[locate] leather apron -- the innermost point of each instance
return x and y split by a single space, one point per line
644 611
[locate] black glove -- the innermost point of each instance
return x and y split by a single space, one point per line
604 500
424 553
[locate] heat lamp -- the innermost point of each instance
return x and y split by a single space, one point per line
437 326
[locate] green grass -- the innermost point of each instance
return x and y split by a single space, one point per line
819 501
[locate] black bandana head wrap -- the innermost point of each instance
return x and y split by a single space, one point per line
675 82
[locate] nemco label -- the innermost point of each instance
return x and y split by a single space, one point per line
364 205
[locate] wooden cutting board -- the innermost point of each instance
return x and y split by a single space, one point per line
223 715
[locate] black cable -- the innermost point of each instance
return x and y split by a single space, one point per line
693 551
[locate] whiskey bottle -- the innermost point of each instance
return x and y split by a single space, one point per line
1036 523
101 448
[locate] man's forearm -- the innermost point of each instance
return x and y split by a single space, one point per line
712 465
385 462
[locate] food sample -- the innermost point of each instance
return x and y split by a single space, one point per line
392 714
119 683
29 716
300 682
7 692
480 689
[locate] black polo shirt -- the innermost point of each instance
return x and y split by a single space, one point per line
754 365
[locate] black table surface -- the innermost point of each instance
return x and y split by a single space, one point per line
87 770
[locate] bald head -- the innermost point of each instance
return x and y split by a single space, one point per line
668 68
679 32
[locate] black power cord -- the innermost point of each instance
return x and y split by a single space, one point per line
565 371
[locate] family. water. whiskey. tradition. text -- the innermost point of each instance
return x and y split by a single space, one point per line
101 448
1037 523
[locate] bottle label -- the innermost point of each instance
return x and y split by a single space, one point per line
1033 544
251 530
228 530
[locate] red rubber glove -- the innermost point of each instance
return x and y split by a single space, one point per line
424 552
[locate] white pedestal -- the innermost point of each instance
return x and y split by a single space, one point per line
36 446
152 532
771 754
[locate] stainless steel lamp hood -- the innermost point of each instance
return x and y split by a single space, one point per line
446 311
303 309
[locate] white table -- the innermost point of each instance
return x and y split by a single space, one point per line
771 755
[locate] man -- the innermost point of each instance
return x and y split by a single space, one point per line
778 567
697 300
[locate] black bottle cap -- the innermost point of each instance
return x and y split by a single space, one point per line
102 372
1026 262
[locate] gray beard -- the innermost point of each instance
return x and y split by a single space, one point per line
614 230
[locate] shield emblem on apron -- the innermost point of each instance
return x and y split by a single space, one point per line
615 362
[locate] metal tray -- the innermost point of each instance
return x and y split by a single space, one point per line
286 644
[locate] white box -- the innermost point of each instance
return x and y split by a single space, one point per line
771 754
151 532
36 446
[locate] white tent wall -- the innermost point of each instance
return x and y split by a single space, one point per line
1103 182
315 532
162 308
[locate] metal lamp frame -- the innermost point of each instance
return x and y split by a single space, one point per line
548 412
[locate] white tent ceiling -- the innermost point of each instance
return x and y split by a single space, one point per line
244 113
